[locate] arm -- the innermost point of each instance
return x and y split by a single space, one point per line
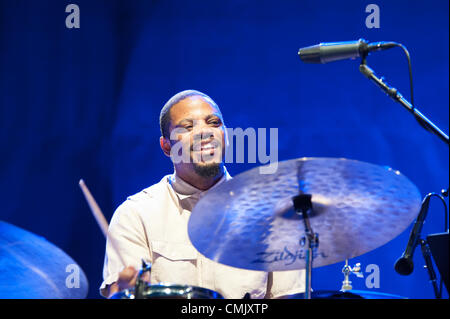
128 233
281 284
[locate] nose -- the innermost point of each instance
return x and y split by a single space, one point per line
202 131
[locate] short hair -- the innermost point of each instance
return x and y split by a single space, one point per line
164 116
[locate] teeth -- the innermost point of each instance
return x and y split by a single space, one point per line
207 146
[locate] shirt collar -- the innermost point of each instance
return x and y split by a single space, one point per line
184 190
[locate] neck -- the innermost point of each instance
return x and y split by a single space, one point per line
200 182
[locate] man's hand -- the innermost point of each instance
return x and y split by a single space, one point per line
127 279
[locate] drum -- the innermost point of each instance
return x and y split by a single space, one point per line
351 294
169 291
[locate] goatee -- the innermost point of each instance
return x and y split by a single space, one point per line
208 170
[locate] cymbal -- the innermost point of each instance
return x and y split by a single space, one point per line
33 268
249 221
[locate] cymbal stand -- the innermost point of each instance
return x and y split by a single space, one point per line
302 204
347 270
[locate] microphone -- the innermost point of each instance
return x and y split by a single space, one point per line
334 51
404 265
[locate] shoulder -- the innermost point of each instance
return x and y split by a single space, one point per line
142 202
149 193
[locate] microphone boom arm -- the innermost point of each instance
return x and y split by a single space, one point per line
396 96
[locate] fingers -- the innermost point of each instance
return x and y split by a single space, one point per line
127 278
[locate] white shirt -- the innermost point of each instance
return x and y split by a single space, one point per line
152 225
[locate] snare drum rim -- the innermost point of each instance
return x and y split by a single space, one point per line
167 290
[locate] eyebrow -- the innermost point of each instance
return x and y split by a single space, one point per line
217 115
184 121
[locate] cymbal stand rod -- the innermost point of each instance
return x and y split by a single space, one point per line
309 258
302 204
346 284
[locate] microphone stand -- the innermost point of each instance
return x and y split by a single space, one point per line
429 266
427 125
396 96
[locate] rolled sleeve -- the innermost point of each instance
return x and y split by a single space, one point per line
127 232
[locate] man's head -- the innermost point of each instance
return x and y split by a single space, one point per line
193 134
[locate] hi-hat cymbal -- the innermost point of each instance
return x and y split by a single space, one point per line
249 221
33 268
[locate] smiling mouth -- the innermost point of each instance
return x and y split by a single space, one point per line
208 147
205 146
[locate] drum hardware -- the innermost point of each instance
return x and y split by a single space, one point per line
140 283
168 291
302 205
347 270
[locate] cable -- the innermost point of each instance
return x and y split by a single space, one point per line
445 210
411 87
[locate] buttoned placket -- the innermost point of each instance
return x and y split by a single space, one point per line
205 267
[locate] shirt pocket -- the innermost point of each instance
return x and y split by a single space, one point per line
174 263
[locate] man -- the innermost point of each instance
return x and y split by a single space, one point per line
152 225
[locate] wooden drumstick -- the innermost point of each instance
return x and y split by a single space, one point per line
99 217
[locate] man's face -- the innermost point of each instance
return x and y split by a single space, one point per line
197 136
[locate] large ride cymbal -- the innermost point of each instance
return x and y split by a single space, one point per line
249 221
33 268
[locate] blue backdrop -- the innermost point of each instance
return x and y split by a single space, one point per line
84 103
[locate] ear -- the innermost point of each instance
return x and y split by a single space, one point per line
165 145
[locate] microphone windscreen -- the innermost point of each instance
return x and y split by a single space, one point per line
404 266
310 54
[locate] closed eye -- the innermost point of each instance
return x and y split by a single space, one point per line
214 120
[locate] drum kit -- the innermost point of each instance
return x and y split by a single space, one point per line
310 213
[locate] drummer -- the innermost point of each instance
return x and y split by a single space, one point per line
152 224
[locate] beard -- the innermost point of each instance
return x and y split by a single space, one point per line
209 164
209 169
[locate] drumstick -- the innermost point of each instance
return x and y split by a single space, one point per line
99 217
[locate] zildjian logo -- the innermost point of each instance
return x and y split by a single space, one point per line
286 256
